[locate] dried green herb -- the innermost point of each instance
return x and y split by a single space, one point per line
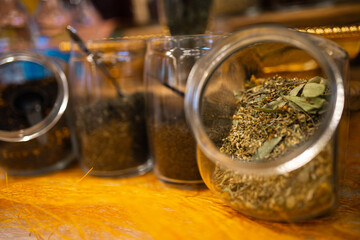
313 89
309 105
272 118
296 90
266 148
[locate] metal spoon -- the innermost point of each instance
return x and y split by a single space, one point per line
75 37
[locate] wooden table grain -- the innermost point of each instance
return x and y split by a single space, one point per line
71 205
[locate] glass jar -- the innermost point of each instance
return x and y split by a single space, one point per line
265 105
35 134
167 65
109 107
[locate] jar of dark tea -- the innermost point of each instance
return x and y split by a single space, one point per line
35 134
167 65
266 106
107 92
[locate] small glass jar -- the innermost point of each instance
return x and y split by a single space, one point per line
35 134
265 106
167 65
109 107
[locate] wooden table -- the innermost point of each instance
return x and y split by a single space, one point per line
71 205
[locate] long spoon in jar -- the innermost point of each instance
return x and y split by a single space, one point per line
94 57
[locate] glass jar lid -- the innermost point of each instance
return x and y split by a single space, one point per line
33 95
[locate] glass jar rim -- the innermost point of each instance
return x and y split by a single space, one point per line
60 104
206 66
169 43
167 37
124 43
183 37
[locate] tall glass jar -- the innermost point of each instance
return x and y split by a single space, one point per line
35 129
167 65
109 107
265 106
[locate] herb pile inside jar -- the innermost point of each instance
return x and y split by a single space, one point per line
274 116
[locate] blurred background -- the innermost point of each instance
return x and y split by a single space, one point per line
44 20
40 24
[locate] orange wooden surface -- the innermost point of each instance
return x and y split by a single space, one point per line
67 205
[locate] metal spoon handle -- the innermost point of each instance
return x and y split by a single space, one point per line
76 38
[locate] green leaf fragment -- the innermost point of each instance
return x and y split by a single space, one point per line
316 79
279 102
296 90
313 89
256 89
258 99
235 123
295 107
266 148
307 104
237 94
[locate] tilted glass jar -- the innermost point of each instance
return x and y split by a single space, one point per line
35 135
265 105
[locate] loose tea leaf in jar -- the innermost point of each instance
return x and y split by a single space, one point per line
37 156
175 152
21 107
14 98
275 115
112 133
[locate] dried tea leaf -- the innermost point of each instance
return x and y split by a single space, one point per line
258 99
256 89
313 89
237 94
307 104
296 90
279 102
266 148
295 107
235 123
316 79
278 193
269 110
317 102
